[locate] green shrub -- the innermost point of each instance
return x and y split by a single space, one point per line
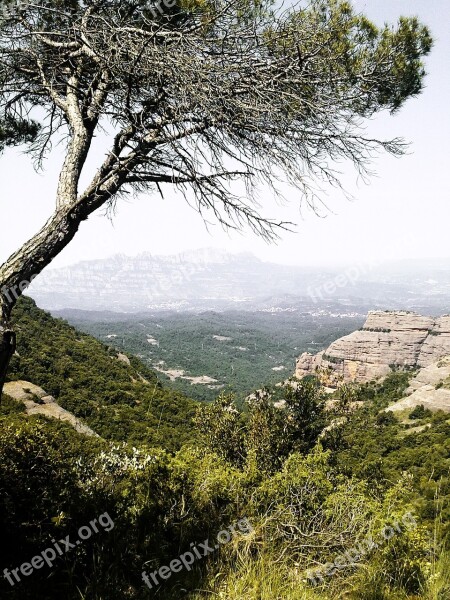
420 412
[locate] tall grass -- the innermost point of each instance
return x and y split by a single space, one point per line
258 579
244 575
438 585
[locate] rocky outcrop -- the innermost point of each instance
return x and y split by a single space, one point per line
123 358
429 388
388 339
437 343
38 402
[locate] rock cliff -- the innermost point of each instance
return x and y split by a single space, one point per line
401 339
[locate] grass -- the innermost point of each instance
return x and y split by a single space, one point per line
258 579
438 585
262 577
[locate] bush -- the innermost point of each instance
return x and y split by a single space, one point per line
420 412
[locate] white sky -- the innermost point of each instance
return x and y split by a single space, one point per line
403 213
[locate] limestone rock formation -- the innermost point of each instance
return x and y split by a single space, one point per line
388 339
430 388
38 402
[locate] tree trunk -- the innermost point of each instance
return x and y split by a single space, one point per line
23 266
7 345
19 270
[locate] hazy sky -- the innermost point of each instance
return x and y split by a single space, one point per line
403 213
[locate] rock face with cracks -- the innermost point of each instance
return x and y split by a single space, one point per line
388 339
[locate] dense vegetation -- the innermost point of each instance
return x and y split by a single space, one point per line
239 349
343 499
118 400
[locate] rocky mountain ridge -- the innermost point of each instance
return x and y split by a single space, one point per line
389 339
210 279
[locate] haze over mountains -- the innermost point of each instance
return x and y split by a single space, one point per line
209 279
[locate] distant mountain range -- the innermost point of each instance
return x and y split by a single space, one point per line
209 279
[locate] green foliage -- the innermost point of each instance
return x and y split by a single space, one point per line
311 495
306 508
305 406
353 46
390 389
332 359
38 484
9 406
220 426
385 419
306 516
266 434
405 76
252 345
14 132
420 412
371 444
345 396
120 401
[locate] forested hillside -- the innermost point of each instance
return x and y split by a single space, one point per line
116 395
326 497
239 350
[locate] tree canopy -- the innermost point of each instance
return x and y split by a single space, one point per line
194 94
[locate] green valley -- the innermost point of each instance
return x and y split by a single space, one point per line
235 351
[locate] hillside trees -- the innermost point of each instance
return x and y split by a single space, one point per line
268 431
54 480
119 400
194 96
